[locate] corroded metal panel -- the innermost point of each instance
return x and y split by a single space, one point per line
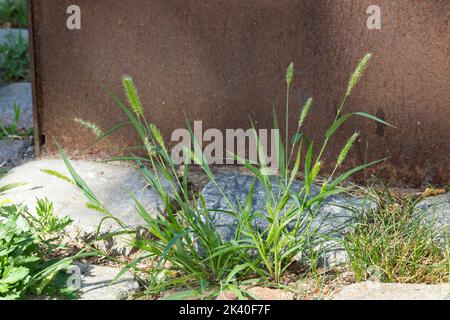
221 61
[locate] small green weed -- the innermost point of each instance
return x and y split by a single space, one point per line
46 225
14 58
24 271
12 131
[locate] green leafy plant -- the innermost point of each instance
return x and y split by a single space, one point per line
185 244
14 58
396 243
24 271
13 13
46 225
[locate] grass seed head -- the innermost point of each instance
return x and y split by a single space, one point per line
358 73
305 111
91 126
347 148
157 135
290 74
132 96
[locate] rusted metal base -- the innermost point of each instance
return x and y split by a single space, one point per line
222 61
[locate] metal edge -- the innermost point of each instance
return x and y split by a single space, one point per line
36 115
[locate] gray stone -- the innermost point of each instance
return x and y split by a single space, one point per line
112 184
96 283
12 151
15 32
392 291
437 211
333 218
20 94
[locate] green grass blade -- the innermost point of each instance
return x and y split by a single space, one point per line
349 173
280 153
77 179
339 122
108 133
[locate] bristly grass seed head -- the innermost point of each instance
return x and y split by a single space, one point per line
346 149
132 95
324 187
290 74
315 170
305 111
157 135
358 73
95 129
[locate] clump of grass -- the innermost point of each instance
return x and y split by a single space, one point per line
13 13
184 240
395 243
14 58
12 131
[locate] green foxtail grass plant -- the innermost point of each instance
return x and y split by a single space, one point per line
184 240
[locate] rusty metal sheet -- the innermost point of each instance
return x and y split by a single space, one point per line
223 60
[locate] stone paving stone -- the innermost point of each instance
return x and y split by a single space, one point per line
437 211
11 151
96 283
393 291
334 217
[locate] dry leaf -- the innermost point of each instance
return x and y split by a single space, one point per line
430 192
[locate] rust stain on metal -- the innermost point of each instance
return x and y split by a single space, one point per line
222 61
